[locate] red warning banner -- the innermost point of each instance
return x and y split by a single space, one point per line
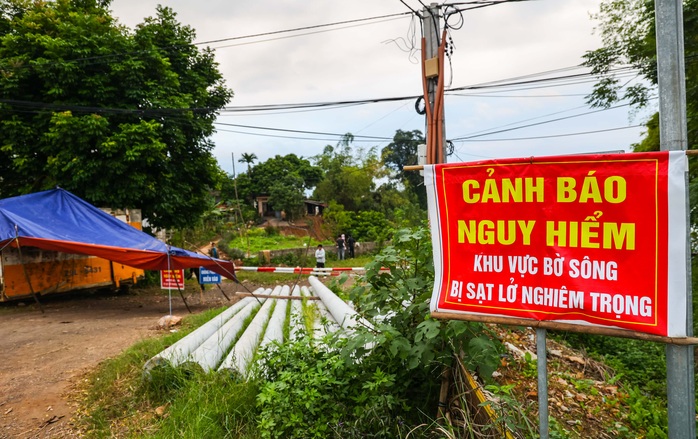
172 279
592 240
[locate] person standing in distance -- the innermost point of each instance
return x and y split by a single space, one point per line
350 246
214 251
340 248
320 257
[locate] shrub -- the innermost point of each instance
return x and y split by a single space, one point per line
290 259
311 392
272 231
378 381
370 225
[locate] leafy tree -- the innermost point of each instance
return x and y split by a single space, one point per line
399 206
121 118
628 32
370 225
402 151
350 180
627 29
364 225
339 219
287 195
260 179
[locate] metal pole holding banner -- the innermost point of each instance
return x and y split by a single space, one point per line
673 137
169 287
543 426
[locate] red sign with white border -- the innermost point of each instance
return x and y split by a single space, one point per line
591 240
172 279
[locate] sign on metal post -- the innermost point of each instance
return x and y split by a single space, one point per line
587 240
586 243
207 276
172 279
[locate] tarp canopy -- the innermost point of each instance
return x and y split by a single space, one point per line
60 221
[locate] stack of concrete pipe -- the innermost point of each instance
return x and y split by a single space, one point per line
221 343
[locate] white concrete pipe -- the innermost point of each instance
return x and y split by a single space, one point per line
180 350
241 355
275 327
342 313
325 319
211 351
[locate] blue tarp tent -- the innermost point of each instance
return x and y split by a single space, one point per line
60 221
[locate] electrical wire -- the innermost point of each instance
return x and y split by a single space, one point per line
302 34
299 131
515 82
448 14
483 4
410 8
531 118
575 79
178 47
317 139
468 138
493 95
297 29
473 136
581 133
410 42
560 80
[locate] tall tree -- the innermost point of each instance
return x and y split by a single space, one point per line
627 29
121 118
249 158
628 32
260 179
400 152
287 194
350 176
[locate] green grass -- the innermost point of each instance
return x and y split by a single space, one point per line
257 240
212 406
310 314
359 261
119 401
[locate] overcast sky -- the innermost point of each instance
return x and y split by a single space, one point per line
371 59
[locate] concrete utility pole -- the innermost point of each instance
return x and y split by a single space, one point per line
235 185
673 137
433 64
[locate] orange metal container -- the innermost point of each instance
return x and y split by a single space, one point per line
49 272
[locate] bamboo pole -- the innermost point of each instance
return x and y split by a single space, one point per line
690 152
268 296
558 326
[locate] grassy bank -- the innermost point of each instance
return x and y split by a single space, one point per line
118 400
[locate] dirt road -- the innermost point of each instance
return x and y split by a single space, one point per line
42 355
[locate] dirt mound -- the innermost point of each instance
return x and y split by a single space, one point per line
317 228
313 225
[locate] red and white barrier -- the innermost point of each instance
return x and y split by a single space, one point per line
328 271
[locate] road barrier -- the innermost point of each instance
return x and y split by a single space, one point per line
328 271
